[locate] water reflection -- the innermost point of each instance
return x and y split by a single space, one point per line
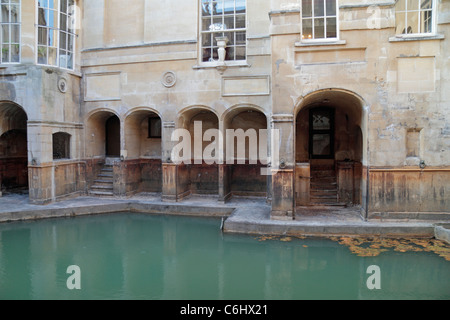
132 256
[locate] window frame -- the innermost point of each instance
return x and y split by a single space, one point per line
234 31
67 145
312 18
59 32
151 120
19 24
433 31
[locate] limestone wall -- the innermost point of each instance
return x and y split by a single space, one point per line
143 59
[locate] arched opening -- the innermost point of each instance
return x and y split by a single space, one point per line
61 146
103 135
102 148
112 137
143 147
246 151
329 149
13 148
203 176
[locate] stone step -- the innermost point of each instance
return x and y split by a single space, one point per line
327 204
104 182
106 175
318 192
323 196
102 187
324 180
322 168
323 172
101 193
321 185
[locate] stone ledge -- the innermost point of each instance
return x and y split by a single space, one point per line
442 232
416 38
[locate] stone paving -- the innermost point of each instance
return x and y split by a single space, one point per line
243 215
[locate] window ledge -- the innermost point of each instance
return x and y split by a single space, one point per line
8 65
416 37
320 43
228 64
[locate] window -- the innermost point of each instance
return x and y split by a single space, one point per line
224 18
61 146
10 33
414 16
319 20
56 37
154 127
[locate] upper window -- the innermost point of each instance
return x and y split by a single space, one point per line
56 37
319 20
10 33
414 17
224 18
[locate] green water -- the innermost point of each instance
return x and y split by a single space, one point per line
134 256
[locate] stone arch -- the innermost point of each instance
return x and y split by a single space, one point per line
142 150
244 175
13 147
344 140
351 104
96 135
203 175
185 115
143 133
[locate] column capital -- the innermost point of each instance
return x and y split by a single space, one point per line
282 117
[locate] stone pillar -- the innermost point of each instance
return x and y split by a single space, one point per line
224 182
283 162
41 173
345 181
169 182
302 183
169 169
175 177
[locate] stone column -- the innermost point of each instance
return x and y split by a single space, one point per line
225 170
283 169
175 177
345 181
169 169
224 182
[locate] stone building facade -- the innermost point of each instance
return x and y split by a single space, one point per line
355 97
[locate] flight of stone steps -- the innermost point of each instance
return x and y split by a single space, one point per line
324 189
103 185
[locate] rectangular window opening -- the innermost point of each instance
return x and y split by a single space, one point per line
56 33
221 18
154 128
414 17
10 39
319 20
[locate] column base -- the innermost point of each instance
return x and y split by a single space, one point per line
282 215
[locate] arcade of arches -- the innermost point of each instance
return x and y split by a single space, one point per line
128 151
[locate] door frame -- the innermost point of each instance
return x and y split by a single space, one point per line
330 131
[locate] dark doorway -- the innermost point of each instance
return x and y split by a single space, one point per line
113 137
321 133
13 149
